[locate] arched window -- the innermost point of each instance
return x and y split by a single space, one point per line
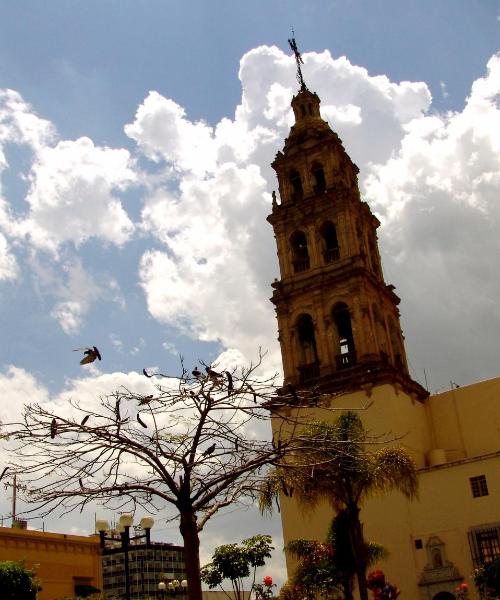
300 253
296 183
308 353
331 250
319 178
346 352
437 559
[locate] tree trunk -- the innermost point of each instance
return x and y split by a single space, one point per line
189 532
347 587
359 549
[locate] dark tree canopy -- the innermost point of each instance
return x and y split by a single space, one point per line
17 582
196 443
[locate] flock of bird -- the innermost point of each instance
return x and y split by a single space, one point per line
92 353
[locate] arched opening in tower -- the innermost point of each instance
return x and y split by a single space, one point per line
296 183
308 353
346 352
300 253
319 178
331 251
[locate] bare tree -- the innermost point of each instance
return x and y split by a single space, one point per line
191 444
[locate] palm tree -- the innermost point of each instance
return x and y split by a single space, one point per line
339 462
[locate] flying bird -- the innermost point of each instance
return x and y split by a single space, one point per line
84 420
90 354
145 400
53 428
209 450
3 473
141 422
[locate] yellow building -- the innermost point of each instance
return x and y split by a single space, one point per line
62 562
339 331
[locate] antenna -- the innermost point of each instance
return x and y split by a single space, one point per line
298 60
14 497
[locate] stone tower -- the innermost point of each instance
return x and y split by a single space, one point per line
338 320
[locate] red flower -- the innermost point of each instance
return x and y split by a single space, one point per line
464 586
268 580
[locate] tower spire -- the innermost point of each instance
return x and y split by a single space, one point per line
298 60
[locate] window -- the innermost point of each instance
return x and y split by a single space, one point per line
296 183
346 352
331 245
308 354
299 252
319 178
479 486
485 545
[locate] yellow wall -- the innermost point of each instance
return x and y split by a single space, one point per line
464 422
58 558
467 419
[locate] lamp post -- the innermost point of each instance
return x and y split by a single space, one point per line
172 585
124 524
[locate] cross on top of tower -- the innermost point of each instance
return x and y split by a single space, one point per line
298 60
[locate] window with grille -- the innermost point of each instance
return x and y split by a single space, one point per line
479 486
485 545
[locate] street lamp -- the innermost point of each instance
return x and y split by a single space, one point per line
172 585
124 524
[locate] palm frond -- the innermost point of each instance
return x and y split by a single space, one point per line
393 468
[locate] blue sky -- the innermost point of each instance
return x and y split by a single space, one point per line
135 144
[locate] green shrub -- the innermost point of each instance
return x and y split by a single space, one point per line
17 582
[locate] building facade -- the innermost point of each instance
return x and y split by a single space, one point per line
339 331
64 563
148 566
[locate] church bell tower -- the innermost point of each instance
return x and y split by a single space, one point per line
338 320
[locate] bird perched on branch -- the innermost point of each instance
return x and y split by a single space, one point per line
90 354
197 373
84 420
209 450
212 374
230 384
53 428
145 400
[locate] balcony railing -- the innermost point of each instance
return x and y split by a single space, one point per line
346 360
301 265
307 372
331 255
